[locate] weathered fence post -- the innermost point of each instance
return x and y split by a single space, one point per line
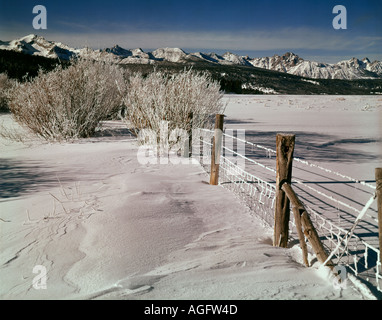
216 149
302 219
188 143
298 210
314 239
378 180
284 159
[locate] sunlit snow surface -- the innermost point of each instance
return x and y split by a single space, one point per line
107 227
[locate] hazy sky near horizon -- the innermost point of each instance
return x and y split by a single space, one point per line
256 28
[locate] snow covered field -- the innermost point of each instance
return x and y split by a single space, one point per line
340 133
103 226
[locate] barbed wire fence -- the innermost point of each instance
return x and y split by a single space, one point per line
348 232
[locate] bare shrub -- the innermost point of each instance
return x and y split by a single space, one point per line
69 103
163 97
5 85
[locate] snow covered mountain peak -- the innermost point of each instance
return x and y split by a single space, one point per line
291 58
348 69
119 51
289 62
30 37
235 59
37 45
366 60
169 54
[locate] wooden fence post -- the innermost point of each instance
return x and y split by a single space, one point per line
298 210
314 239
216 149
188 143
302 219
284 159
378 180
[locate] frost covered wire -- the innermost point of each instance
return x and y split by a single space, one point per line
345 248
250 160
307 163
350 232
323 194
270 151
257 193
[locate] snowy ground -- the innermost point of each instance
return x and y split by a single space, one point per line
106 227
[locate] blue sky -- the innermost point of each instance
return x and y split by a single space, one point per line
256 28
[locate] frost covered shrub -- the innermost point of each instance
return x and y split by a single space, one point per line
166 97
68 103
5 86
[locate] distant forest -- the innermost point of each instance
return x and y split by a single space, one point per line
232 78
22 66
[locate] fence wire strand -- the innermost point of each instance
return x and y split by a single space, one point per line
345 248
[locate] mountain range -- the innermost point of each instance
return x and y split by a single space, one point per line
290 63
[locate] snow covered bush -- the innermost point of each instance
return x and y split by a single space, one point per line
167 97
68 103
5 86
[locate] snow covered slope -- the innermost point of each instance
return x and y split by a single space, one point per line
35 45
293 64
169 54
